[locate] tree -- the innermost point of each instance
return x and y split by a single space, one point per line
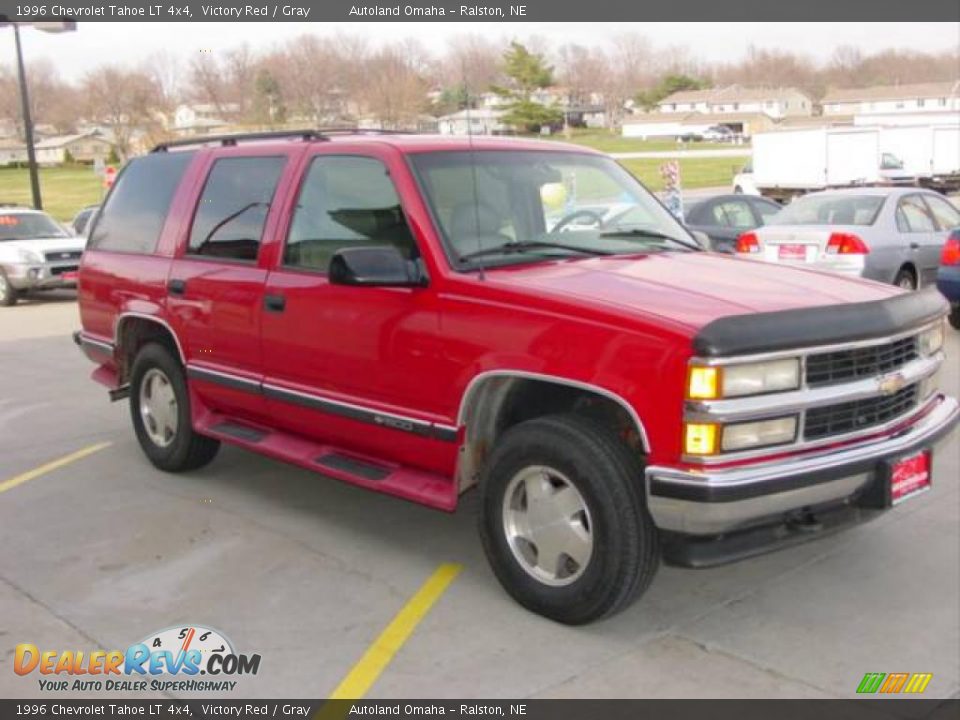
396 86
123 100
525 73
268 107
669 85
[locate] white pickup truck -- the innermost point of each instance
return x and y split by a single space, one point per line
36 253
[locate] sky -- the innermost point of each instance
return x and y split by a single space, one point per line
132 43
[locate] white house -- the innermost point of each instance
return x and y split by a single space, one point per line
942 97
202 118
479 121
84 147
775 103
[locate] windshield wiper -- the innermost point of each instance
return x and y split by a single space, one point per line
510 248
654 234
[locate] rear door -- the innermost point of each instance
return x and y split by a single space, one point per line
215 285
918 230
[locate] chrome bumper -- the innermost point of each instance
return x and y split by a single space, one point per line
41 276
713 502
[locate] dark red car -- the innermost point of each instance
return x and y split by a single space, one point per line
421 315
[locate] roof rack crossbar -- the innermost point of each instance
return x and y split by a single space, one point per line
230 140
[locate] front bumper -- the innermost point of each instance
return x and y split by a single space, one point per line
714 502
42 276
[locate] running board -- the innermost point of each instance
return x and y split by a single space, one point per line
422 487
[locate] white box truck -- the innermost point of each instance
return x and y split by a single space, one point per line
792 162
930 153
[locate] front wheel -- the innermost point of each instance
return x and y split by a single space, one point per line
8 293
160 410
564 524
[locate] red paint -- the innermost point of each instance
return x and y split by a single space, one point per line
623 324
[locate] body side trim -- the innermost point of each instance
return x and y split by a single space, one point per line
152 318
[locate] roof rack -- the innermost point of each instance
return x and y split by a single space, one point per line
306 135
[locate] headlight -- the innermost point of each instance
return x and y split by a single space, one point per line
28 256
712 382
931 340
762 433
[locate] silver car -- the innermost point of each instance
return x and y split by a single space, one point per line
893 235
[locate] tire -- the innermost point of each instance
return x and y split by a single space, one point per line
607 478
8 293
905 279
157 385
954 317
738 190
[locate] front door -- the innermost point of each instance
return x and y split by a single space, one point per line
345 365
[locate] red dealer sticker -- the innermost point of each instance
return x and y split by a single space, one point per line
909 476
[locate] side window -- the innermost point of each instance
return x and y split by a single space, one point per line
233 207
734 214
947 216
345 201
915 214
132 218
766 211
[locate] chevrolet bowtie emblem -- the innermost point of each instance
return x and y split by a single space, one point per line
892 384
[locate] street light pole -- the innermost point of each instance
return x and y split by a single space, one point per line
27 124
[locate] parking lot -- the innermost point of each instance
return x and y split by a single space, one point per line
101 551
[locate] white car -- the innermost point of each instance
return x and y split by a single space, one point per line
36 253
743 182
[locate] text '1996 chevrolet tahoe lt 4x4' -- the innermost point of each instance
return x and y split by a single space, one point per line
422 315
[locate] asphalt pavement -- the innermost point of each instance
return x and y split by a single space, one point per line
103 550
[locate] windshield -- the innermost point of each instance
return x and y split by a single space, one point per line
830 210
28 226
499 207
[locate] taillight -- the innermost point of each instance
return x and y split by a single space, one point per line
748 243
846 244
951 251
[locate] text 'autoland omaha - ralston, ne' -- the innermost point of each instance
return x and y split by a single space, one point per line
438 11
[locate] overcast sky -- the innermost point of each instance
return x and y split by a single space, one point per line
131 43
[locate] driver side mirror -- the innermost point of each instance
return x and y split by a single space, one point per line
376 266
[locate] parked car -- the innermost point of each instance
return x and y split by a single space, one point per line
743 182
724 218
893 235
948 276
36 253
718 133
394 312
81 221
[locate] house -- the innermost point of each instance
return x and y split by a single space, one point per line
203 118
83 147
479 121
940 97
775 103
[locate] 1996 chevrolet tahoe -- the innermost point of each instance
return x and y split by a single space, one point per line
420 315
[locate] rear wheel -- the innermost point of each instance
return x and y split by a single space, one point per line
564 523
906 279
8 293
955 316
160 410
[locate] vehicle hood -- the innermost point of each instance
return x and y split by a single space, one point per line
687 288
43 245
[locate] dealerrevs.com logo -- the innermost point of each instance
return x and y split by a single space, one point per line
171 660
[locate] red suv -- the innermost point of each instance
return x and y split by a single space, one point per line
421 315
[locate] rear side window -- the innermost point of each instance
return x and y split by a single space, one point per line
947 216
914 212
733 214
134 214
233 207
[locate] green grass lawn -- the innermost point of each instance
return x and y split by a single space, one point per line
694 172
64 189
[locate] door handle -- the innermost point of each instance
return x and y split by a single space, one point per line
274 303
176 287
914 245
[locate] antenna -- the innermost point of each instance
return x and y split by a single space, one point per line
473 167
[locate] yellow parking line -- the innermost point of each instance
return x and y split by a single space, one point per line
359 680
50 466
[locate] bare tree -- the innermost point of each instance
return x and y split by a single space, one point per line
123 100
395 91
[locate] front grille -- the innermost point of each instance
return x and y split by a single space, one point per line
62 269
857 415
61 255
845 365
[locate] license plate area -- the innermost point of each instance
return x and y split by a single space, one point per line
792 251
909 476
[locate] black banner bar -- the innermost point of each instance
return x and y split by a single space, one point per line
861 11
